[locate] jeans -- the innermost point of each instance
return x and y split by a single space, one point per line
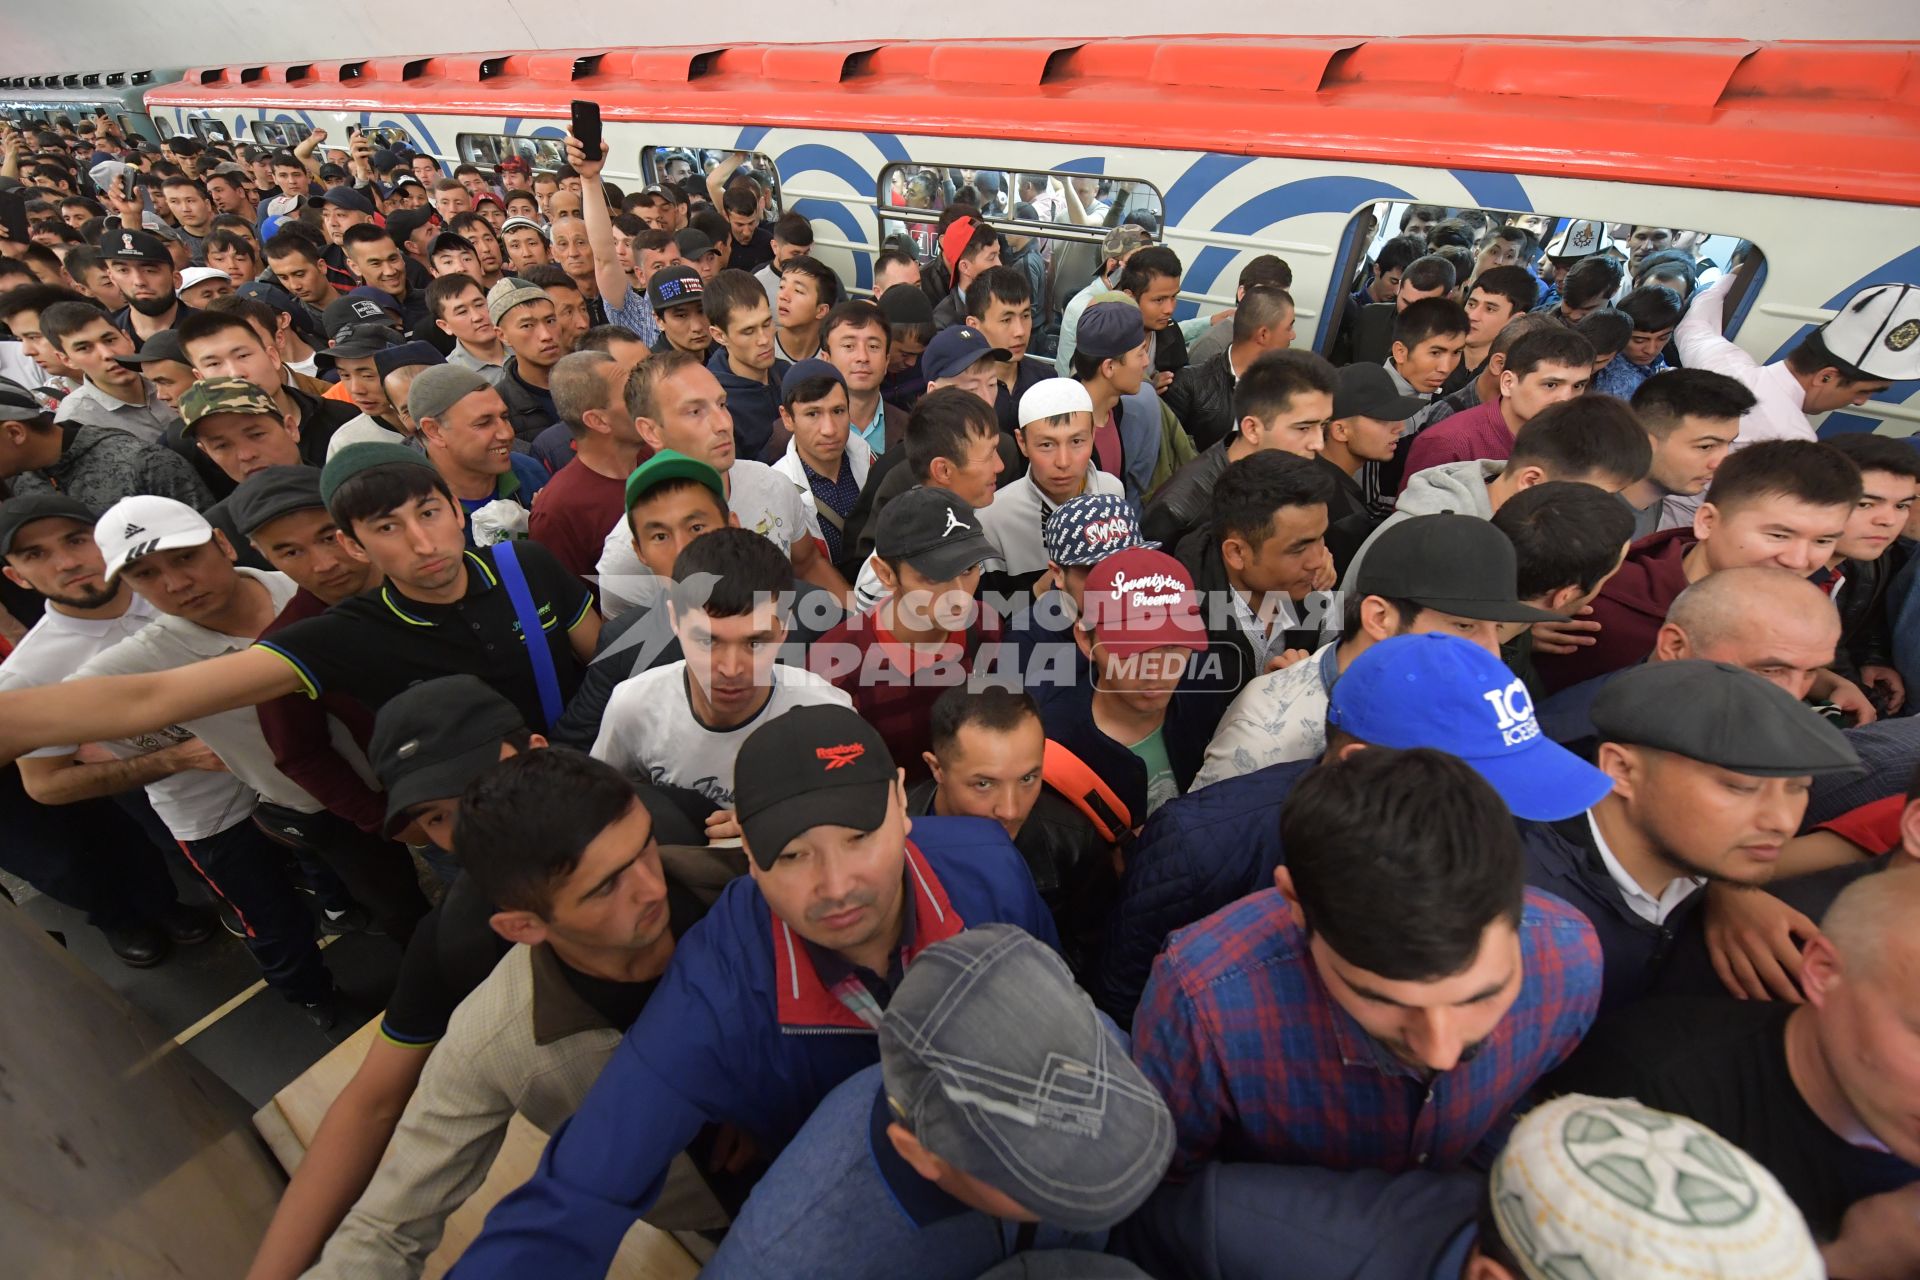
245 868
377 873
88 855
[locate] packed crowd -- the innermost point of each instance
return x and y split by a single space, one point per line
888 805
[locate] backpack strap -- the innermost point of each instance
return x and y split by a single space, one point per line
1071 776
545 679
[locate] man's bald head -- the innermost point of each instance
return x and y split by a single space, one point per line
1771 621
1872 918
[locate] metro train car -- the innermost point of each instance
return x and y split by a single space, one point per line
121 94
1236 146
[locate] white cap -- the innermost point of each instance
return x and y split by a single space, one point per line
200 275
1613 1190
1878 332
143 524
1053 397
1578 239
281 206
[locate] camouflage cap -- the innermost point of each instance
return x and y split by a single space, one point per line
223 395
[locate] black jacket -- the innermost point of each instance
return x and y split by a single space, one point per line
1231 659
1202 398
528 415
1350 521
1182 504
1562 860
1071 865
1169 350
1370 340
1866 639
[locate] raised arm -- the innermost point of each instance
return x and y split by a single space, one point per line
1700 336
717 180
613 282
304 149
105 707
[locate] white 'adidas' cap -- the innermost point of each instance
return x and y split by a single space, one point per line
1878 332
143 524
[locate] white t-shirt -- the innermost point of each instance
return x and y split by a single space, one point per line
194 803
765 501
650 731
235 736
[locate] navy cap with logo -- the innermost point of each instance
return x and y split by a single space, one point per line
673 286
811 767
934 531
17 513
135 246
1457 564
955 350
1093 526
272 492
431 740
1721 715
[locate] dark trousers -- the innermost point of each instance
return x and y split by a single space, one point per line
245 868
88 855
378 873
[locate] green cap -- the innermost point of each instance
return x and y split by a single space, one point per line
671 465
223 395
355 458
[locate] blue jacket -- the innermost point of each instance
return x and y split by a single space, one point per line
755 406
740 1031
1562 860
1199 853
1140 426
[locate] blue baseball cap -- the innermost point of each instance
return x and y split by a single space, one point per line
1451 695
1090 528
807 370
955 350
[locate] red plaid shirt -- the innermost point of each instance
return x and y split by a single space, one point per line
1258 1062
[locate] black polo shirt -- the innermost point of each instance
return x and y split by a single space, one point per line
375 645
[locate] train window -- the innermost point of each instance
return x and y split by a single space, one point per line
489 149
1059 217
675 164
163 127
1548 245
208 129
278 133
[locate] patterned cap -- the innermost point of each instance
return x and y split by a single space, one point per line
1090 528
1612 1190
223 395
1124 239
510 292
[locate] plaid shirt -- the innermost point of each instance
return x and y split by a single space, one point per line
1258 1062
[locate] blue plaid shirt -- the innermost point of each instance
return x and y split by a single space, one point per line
1258 1062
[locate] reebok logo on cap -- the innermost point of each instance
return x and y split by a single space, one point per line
841 756
1514 707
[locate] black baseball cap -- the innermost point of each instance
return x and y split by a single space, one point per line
266 495
934 531
812 767
357 340
906 304
343 313
17 513
1456 564
1721 715
343 197
432 739
135 246
402 223
693 243
164 345
1367 391
673 286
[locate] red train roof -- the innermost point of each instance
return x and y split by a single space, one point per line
1804 118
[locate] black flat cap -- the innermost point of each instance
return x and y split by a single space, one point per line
1721 715
267 495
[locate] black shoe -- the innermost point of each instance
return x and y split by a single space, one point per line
140 947
230 918
185 925
353 920
323 1013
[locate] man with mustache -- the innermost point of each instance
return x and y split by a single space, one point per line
777 995
1415 996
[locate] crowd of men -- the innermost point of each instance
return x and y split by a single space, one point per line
889 806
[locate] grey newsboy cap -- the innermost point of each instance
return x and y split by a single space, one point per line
1002 1067
1721 715
439 387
